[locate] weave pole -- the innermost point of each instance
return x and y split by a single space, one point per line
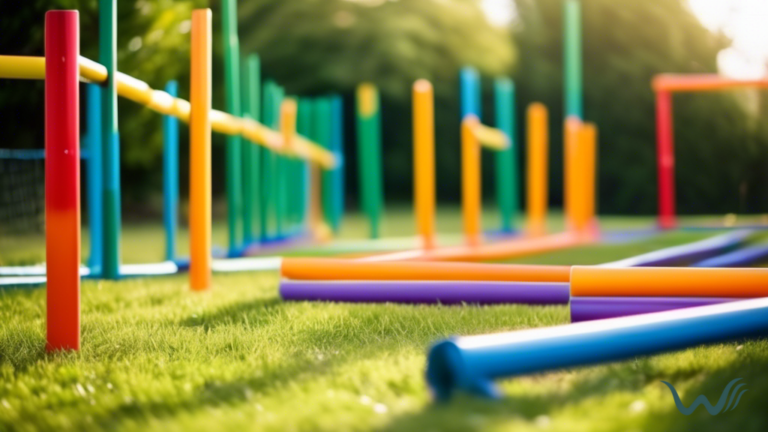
471 187
94 178
110 140
424 161
369 154
62 180
251 153
171 176
538 154
506 160
200 152
234 143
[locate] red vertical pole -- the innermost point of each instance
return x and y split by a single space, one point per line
665 154
62 179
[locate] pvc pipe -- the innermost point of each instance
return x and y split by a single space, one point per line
471 188
429 292
571 150
304 126
369 154
233 163
574 104
94 177
668 281
665 160
200 152
470 364
738 258
701 82
471 93
337 174
538 159
589 137
266 197
279 181
171 176
339 269
595 308
62 180
110 140
687 252
251 157
506 160
424 161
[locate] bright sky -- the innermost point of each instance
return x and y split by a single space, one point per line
744 21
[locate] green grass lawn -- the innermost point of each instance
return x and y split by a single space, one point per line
156 356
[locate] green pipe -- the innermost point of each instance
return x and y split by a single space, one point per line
267 164
110 140
304 127
506 160
369 155
323 137
251 152
280 166
232 101
574 104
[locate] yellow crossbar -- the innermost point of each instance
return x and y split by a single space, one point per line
491 138
26 67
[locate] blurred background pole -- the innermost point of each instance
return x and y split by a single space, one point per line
574 104
232 101
110 140
337 173
424 161
266 198
280 171
304 128
94 177
471 93
251 152
538 168
506 160
171 176
323 136
369 154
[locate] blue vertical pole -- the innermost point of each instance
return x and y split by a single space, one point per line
170 176
95 222
337 147
469 81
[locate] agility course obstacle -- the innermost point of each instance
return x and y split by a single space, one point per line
665 86
470 364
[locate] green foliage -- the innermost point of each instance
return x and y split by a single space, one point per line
720 144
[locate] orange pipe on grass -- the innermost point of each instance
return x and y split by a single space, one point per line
200 152
669 282
471 187
424 161
538 154
339 269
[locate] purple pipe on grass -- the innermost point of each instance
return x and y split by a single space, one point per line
595 308
445 292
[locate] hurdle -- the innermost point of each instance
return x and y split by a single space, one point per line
664 86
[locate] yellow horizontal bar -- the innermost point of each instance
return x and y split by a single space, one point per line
27 67
491 138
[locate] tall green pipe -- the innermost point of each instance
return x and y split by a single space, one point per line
506 160
369 154
266 204
336 175
304 127
232 101
323 136
280 172
110 140
251 153
574 104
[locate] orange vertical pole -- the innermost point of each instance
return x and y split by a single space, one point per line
579 180
424 161
589 132
200 152
570 149
471 187
62 180
538 154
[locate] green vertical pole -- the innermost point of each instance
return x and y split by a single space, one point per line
574 104
323 136
506 160
251 152
110 140
267 171
369 154
336 145
280 172
232 100
304 127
